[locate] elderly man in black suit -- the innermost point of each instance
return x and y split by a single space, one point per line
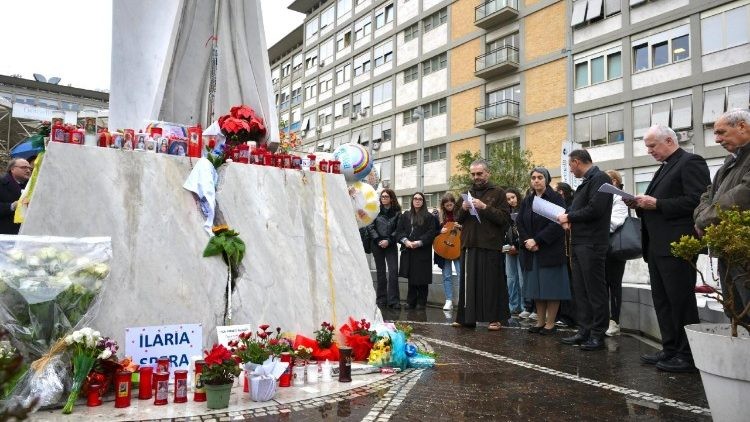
19 172
666 210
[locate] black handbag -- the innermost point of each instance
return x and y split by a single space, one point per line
625 242
403 264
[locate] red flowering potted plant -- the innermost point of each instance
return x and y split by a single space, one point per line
241 125
324 346
218 375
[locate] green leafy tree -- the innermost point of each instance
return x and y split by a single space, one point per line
509 167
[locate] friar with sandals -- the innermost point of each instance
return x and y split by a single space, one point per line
483 292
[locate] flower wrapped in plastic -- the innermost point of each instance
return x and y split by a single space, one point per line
323 346
380 354
49 286
358 336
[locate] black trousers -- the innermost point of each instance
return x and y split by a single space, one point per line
673 293
613 272
590 289
417 295
386 291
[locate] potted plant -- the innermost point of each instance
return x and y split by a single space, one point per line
720 351
218 375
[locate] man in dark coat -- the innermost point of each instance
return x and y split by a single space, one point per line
19 172
666 211
730 188
588 221
483 291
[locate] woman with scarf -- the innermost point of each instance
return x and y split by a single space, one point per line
382 231
545 274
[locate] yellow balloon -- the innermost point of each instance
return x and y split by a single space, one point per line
365 203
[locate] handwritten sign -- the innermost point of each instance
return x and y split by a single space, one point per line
227 333
178 342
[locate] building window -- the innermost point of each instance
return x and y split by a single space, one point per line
409 159
286 69
360 101
296 96
614 66
600 69
383 53
343 39
435 108
662 49
582 74
325 84
382 92
411 74
600 129
591 11
308 122
434 153
343 74
408 117
436 19
326 52
411 32
434 64
297 63
310 92
326 18
311 28
507 41
362 28
384 171
676 113
343 7
503 145
383 16
511 93
311 60
362 64
717 101
324 117
284 101
381 131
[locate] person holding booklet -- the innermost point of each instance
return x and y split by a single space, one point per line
542 257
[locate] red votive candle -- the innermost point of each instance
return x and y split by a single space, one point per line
122 388
145 387
162 388
323 166
180 385
199 394
94 399
285 380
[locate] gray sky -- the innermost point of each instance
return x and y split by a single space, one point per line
80 54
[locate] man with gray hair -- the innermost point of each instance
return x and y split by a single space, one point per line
730 188
19 172
666 211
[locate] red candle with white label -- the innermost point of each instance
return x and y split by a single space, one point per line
162 388
180 385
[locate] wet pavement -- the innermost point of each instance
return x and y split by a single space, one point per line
506 375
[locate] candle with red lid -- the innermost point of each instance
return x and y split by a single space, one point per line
180 385
122 388
195 141
145 385
162 388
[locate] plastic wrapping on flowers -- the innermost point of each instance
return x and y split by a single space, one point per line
49 286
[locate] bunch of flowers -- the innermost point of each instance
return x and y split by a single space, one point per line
303 353
252 348
241 125
358 336
280 343
221 366
105 366
380 354
324 336
84 345
362 327
288 141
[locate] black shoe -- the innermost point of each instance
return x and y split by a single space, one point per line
535 330
593 343
410 306
654 358
676 364
548 331
576 339
419 307
395 306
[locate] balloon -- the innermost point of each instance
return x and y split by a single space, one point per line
356 162
365 203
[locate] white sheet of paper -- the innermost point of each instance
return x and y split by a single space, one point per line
609 188
473 211
546 208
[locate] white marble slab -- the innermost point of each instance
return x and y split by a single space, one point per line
158 273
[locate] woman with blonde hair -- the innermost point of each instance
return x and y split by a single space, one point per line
615 268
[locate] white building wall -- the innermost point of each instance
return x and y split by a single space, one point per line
607 152
429 4
382 107
654 8
362 6
405 93
593 92
662 74
597 29
405 10
406 51
435 127
435 82
382 30
405 177
405 134
438 37
435 173
383 68
724 58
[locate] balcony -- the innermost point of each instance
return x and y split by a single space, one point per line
498 114
494 12
496 62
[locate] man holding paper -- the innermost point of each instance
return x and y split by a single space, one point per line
588 222
666 211
483 292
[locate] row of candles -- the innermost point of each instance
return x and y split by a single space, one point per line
157 379
248 154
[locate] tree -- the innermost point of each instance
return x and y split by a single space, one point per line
509 167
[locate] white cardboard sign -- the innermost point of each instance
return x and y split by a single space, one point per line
178 342
227 333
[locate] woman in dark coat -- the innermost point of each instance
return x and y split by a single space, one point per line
416 231
382 233
543 262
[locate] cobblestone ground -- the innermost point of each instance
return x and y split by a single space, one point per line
509 375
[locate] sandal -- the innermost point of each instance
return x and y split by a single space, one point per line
494 326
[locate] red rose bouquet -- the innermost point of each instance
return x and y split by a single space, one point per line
242 125
358 336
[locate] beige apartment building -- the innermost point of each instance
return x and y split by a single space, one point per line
420 81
